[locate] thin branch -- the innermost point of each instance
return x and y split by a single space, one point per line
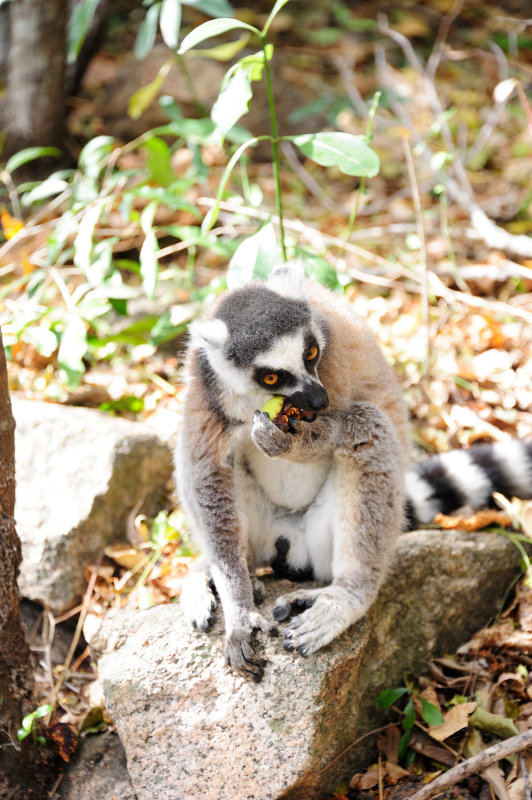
496 110
477 763
441 37
306 178
496 307
77 633
421 233
460 188
345 71
526 779
350 746
437 287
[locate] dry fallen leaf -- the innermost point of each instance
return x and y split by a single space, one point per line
455 719
473 522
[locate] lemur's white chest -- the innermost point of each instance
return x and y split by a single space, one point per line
292 486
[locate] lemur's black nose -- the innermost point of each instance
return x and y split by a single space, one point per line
312 398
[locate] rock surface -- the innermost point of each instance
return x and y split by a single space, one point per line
98 772
79 474
193 730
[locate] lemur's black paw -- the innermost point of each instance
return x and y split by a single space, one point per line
292 604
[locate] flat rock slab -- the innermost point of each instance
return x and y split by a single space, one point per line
79 474
193 730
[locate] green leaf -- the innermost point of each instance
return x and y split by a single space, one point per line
214 27
389 696
404 741
147 31
130 403
232 103
318 269
72 348
409 716
159 161
78 27
222 52
43 339
94 154
430 713
212 216
170 22
44 190
42 711
165 331
99 266
254 259
149 265
351 154
212 8
147 216
83 242
143 97
30 154
161 532
167 197
273 13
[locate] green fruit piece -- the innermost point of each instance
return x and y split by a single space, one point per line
273 407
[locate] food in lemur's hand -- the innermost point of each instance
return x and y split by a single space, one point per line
285 415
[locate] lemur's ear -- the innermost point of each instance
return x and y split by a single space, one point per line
287 279
208 332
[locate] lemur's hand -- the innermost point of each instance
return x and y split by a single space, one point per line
238 651
269 438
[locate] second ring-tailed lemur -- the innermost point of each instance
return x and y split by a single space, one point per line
324 500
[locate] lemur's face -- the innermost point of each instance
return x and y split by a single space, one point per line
289 368
261 343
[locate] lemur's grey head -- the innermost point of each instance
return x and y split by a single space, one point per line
265 339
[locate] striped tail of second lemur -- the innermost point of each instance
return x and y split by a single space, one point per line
449 481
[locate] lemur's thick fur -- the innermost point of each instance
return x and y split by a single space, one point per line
326 502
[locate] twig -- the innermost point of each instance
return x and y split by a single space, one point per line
176 248
437 287
345 71
8 182
306 178
77 633
55 786
526 779
496 110
317 237
421 233
477 763
350 747
460 188
441 37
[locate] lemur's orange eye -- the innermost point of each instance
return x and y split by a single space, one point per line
312 352
271 379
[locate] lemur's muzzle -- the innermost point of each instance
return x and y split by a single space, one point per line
312 397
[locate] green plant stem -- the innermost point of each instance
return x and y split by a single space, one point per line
275 146
181 63
362 184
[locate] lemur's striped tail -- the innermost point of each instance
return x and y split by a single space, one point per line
445 482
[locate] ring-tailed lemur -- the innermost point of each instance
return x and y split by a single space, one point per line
323 501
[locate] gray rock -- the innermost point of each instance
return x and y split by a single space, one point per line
79 474
98 770
194 730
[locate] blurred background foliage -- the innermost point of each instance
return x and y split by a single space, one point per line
106 254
